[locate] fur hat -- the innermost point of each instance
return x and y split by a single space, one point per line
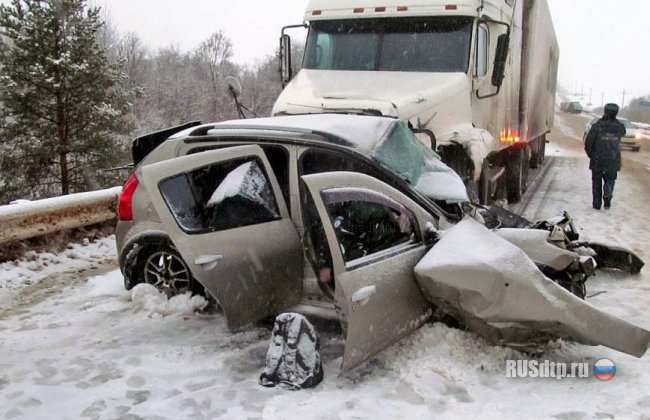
611 110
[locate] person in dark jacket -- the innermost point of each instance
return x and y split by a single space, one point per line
602 145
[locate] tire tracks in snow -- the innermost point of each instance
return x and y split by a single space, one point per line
53 284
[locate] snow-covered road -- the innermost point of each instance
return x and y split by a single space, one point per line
85 350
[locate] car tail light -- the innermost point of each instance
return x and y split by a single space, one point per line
125 203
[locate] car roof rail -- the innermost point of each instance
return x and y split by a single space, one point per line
330 137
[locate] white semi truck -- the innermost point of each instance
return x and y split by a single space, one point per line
476 78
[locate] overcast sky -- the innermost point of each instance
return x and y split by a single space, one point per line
605 44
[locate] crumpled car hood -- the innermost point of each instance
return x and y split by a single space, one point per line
497 291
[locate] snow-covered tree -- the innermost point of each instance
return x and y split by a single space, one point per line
62 101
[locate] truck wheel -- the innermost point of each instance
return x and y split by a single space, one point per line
539 150
534 155
516 174
542 149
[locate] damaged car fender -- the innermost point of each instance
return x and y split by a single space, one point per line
497 291
535 244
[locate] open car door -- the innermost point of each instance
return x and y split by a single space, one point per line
224 212
375 236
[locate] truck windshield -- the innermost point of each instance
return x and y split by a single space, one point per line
440 44
408 157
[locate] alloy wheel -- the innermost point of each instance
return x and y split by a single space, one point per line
167 272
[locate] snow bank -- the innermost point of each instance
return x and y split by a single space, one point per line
34 268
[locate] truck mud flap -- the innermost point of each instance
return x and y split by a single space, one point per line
616 257
495 290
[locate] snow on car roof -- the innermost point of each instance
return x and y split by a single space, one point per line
361 130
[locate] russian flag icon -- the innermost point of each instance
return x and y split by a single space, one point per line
604 369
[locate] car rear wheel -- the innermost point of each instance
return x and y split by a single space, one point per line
160 265
166 271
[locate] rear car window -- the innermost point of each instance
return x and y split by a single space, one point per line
222 196
278 157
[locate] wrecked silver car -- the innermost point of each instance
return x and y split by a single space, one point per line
496 290
348 217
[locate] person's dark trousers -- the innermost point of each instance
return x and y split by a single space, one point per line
602 187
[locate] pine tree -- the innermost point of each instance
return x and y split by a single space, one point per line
61 100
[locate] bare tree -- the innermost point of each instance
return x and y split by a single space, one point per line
134 53
212 65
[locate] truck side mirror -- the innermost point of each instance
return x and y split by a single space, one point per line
286 71
233 86
500 58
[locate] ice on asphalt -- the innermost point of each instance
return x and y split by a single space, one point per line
91 351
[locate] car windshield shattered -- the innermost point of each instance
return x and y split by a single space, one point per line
420 166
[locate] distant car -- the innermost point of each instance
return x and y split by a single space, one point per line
573 107
631 138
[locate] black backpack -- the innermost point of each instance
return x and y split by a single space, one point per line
293 358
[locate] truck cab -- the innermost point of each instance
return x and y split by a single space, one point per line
461 73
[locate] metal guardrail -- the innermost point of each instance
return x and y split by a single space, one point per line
30 219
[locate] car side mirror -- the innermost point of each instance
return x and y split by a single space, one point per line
500 59
431 234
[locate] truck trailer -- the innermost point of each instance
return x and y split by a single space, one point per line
475 79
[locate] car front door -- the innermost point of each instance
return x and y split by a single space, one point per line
375 236
224 212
